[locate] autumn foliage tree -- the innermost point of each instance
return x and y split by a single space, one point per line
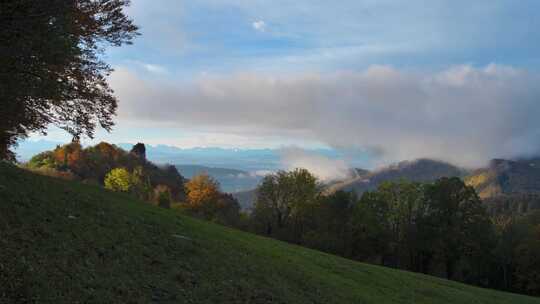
95 165
204 199
201 190
119 179
51 71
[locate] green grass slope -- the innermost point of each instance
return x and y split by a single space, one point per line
66 242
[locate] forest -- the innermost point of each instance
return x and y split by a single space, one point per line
440 228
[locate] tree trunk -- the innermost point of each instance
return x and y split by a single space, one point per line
6 140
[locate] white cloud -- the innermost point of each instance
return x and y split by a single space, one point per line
465 115
145 67
259 26
154 68
261 173
325 168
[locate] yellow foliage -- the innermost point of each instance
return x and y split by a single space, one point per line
484 184
477 180
202 189
489 191
118 179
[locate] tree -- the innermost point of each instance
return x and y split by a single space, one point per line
454 224
142 187
69 156
43 160
328 229
526 255
201 190
163 196
284 202
396 204
528 263
510 233
227 210
118 179
51 71
92 164
206 201
369 229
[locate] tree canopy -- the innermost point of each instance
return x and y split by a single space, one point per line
118 179
93 164
51 71
284 200
202 189
205 200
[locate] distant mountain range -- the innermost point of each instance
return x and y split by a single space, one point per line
242 159
507 177
508 186
191 170
230 180
421 170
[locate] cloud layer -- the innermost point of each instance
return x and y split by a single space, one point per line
325 168
462 114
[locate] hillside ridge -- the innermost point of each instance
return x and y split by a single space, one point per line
419 170
507 177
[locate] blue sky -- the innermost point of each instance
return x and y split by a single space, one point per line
343 74
191 37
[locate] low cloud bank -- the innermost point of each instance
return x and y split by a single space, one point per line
325 168
463 114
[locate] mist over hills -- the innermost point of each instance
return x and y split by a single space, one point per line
505 185
508 186
507 177
421 170
361 180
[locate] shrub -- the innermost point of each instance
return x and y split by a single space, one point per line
118 179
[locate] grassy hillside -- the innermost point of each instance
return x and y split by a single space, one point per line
65 242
